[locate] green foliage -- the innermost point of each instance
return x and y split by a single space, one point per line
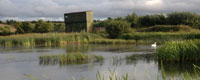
24 27
5 30
27 27
179 51
19 28
43 27
160 37
47 39
133 19
59 27
183 18
0 21
151 20
100 23
115 28
70 58
10 22
167 28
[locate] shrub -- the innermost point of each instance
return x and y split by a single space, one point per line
115 28
18 26
60 27
133 19
43 27
183 18
5 30
27 27
151 20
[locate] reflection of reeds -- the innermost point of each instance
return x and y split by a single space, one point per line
175 69
136 57
70 58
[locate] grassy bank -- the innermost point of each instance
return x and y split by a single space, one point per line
70 58
51 39
179 51
160 37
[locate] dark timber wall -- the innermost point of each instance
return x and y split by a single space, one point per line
79 21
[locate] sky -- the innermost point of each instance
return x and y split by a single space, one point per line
55 9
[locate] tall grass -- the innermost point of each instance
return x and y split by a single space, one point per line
47 39
179 51
160 37
70 58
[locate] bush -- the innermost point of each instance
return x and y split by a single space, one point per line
5 30
166 28
59 27
133 19
43 27
151 20
19 28
116 28
27 27
183 18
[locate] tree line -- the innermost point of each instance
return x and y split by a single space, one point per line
118 26
39 26
174 18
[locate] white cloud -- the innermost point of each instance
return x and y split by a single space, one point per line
102 8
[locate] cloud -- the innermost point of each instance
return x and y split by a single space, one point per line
102 8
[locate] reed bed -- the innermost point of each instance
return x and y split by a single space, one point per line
160 37
112 41
179 51
47 39
70 58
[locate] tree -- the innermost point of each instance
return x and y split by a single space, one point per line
132 19
43 27
27 27
151 20
183 18
59 27
11 22
18 26
116 28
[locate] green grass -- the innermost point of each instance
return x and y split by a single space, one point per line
57 39
47 39
167 28
160 37
70 58
179 51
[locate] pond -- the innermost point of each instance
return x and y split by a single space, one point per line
17 62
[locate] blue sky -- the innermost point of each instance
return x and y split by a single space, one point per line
54 9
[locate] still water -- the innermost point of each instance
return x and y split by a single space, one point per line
16 62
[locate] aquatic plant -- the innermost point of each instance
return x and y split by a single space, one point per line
179 51
70 58
47 39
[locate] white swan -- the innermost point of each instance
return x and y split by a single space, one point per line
153 45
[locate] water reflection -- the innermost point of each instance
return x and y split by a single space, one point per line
137 60
177 69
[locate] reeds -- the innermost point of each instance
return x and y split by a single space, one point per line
47 39
70 58
179 51
160 37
